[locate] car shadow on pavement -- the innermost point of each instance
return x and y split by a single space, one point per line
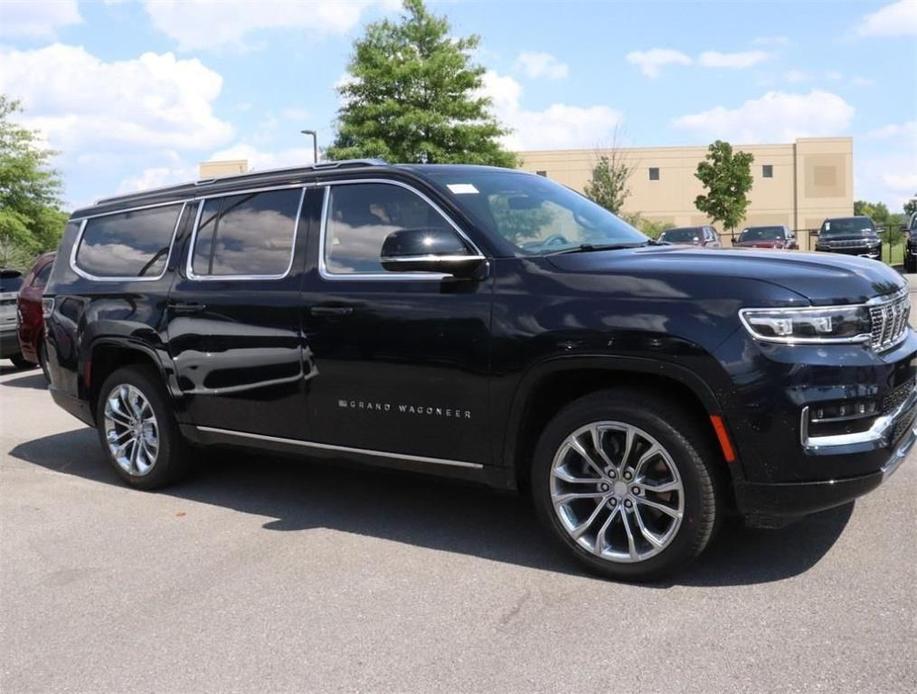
35 380
428 512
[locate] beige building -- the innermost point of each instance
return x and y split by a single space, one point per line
796 184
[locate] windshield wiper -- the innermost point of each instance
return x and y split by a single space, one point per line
589 247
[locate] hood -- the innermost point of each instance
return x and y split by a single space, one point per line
821 278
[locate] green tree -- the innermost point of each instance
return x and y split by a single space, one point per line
726 176
910 207
877 211
608 185
31 220
415 96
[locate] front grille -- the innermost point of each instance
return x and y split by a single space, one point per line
853 243
893 400
890 321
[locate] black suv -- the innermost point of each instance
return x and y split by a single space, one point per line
489 325
910 244
851 236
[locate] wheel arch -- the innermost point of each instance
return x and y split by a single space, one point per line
548 387
106 354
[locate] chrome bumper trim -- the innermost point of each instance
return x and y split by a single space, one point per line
877 433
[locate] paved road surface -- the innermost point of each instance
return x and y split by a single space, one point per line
267 575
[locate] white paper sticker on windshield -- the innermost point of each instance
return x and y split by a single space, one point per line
463 188
827 226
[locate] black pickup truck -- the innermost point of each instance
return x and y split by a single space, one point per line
488 325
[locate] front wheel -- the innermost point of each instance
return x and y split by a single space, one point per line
625 482
21 363
137 429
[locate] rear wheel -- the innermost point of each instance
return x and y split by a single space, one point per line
43 360
137 429
21 362
910 263
625 482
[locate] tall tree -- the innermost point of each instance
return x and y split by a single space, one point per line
608 185
910 207
31 220
415 96
726 176
877 211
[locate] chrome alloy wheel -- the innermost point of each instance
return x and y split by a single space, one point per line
131 430
617 492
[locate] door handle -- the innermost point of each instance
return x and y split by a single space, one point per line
186 307
331 310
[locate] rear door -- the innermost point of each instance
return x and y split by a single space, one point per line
233 314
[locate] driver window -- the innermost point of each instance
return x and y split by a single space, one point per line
361 215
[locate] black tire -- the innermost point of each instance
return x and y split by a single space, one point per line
910 264
21 362
690 450
172 458
43 360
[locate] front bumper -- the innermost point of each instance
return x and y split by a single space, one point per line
774 505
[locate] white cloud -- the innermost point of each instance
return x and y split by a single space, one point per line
652 61
37 19
81 102
796 76
890 178
556 127
738 61
203 24
775 117
858 81
261 159
907 129
157 177
537 65
897 19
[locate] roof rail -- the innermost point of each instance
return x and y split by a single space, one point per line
318 166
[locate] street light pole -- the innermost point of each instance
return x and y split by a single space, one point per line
314 144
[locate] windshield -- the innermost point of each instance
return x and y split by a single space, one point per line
762 234
683 235
852 226
10 281
534 214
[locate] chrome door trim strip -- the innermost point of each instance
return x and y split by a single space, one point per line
343 449
387 276
97 278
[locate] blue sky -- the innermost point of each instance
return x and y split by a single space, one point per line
135 93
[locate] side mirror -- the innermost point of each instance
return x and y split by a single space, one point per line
429 250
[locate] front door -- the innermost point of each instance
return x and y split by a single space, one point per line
401 359
234 318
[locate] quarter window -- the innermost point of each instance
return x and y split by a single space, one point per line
247 235
362 215
41 277
128 244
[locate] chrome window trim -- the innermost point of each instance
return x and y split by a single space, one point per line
201 200
99 278
122 210
344 449
325 273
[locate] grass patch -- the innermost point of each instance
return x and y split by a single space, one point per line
893 255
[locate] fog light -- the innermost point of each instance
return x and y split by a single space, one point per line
841 417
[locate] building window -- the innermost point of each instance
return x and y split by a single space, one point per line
542 173
654 173
767 171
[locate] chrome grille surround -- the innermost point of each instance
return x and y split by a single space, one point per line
889 317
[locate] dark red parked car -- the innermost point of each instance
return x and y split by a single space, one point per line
31 323
776 236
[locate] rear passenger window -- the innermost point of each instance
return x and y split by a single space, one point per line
41 277
128 244
249 235
362 215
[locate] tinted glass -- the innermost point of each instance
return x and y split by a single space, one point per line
250 234
686 235
128 244
854 226
41 277
533 213
762 234
10 281
361 215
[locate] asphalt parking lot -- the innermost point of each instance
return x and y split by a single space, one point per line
270 575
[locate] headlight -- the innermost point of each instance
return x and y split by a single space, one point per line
826 325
